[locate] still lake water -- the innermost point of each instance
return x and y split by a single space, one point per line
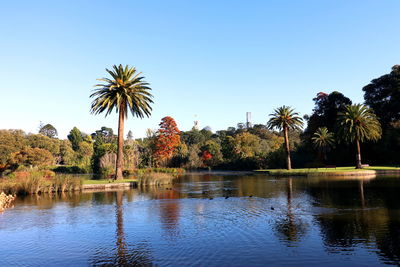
287 221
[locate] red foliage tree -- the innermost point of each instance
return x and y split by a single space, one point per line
167 139
206 156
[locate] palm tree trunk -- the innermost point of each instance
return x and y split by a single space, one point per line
120 152
358 156
288 161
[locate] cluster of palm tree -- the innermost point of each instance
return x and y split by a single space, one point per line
356 124
127 91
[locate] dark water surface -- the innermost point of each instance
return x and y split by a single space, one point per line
287 221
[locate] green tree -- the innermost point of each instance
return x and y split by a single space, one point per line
214 148
193 137
84 153
67 153
194 160
104 135
228 148
358 123
32 157
325 111
75 137
324 114
11 141
323 140
126 90
246 145
383 96
48 130
44 142
284 118
181 156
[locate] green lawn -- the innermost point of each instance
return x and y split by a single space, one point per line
108 181
338 169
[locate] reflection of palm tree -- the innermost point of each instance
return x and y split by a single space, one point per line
362 193
121 244
125 256
291 227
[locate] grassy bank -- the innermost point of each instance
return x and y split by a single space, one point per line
140 180
36 182
147 176
338 170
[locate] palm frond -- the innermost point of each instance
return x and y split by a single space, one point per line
323 139
285 117
358 122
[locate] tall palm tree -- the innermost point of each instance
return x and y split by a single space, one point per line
126 90
323 140
284 118
358 123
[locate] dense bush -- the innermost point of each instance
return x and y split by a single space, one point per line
74 169
32 157
154 170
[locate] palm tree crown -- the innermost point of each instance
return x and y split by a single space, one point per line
358 123
323 139
126 90
285 117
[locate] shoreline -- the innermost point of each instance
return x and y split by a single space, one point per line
356 173
109 186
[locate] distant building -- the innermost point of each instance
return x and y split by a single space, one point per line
196 125
248 120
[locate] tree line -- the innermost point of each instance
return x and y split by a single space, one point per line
336 133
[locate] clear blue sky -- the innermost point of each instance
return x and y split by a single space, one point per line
216 59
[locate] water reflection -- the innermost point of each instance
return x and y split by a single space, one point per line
125 255
207 219
369 216
121 244
290 228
